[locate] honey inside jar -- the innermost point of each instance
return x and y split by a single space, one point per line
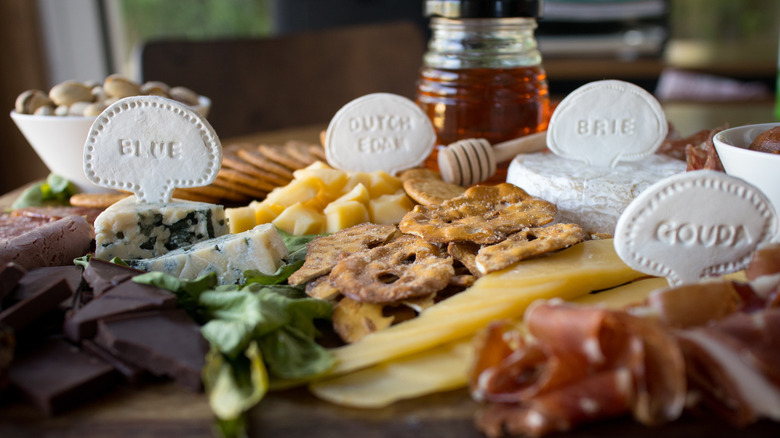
497 104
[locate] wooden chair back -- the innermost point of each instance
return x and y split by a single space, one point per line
290 80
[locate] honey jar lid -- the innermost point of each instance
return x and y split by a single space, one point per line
483 8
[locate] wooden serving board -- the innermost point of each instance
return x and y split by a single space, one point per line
167 410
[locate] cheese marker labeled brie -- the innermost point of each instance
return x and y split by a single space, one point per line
603 137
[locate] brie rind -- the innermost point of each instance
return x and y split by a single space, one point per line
591 196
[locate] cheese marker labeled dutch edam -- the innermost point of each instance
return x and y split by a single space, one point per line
379 131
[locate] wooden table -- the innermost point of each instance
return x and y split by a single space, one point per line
166 410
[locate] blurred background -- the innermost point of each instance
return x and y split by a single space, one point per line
712 51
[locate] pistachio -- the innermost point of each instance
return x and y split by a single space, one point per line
61 110
70 92
184 95
155 88
78 108
94 109
46 110
120 87
29 101
98 93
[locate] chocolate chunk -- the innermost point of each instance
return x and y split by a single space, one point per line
7 347
133 375
102 275
36 304
57 376
126 297
166 343
42 278
9 278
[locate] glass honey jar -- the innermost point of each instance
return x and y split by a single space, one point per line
482 74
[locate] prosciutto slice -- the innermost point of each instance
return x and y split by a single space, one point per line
579 364
712 347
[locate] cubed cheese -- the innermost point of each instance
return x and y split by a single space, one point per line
240 219
132 230
260 248
344 215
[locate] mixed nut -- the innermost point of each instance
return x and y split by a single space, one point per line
73 98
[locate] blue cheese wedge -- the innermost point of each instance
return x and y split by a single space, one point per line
592 196
132 230
260 248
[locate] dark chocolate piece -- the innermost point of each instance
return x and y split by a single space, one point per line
126 297
35 305
42 278
165 342
57 376
102 275
9 278
133 375
7 348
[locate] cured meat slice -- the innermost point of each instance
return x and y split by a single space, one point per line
580 364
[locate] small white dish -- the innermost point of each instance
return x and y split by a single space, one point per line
761 169
59 142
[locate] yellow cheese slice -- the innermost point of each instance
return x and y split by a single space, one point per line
568 274
439 369
445 367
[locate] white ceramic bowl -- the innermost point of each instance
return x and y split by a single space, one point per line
761 169
59 142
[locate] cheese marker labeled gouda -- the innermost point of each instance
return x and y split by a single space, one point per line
694 225
379 131
604 122
149 145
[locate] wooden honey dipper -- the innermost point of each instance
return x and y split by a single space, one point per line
472 160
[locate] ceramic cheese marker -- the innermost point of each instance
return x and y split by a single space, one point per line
694 225
605 122
379 131
600 124
150 145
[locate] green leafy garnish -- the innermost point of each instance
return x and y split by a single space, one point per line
260 331
56 190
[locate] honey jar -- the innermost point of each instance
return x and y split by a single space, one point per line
482 74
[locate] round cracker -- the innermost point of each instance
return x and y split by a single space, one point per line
215 193
318 151
255 158
278 155
300 151
247 180
419 173
232 160
97 200
252 192
431 192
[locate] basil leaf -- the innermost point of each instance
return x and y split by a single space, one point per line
290 354
234 386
